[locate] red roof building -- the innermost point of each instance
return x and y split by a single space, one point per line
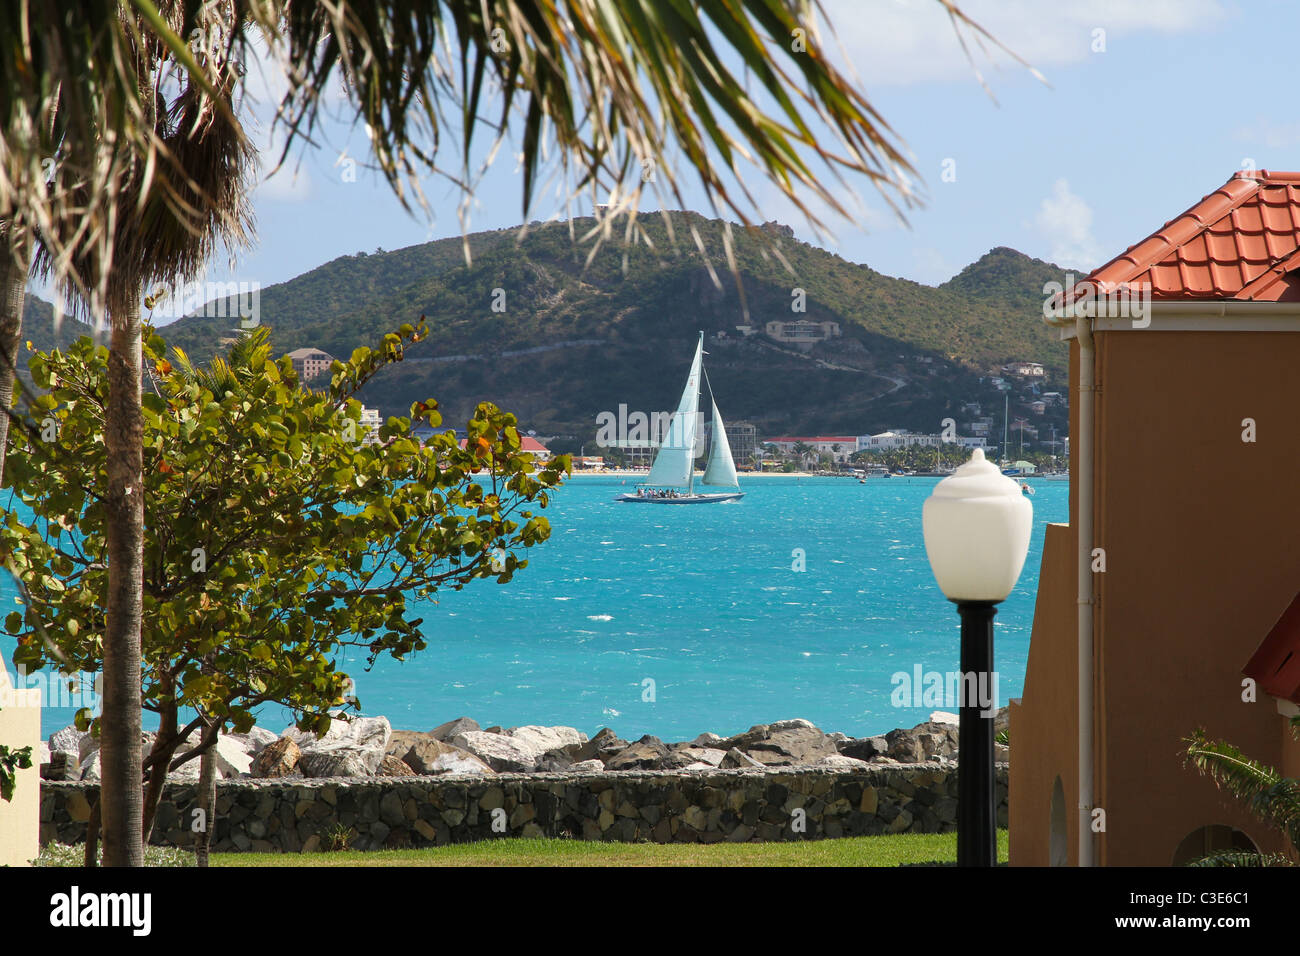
1275 666
1154 595
1242 241
528 445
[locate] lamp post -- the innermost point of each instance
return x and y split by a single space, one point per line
976 524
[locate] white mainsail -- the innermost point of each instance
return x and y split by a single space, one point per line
674 465
721 469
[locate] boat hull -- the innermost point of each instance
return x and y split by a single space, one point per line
682 499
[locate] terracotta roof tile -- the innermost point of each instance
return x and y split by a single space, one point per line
1239 242
1275 665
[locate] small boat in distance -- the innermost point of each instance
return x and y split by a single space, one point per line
672 475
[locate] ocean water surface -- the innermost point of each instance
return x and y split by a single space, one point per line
676 620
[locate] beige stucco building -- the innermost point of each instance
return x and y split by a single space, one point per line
20 726
1181 553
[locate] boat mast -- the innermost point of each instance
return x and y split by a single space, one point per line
1006 412
690 480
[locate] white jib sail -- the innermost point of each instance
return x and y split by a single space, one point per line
722 469
676 458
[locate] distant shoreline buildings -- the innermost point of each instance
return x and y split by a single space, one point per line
842 447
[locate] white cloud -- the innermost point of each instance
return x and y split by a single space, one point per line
1269 133
1066 220
264 88
290 182
903 42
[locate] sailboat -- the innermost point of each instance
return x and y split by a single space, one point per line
672 475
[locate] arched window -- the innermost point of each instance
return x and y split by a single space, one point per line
1059 844
1205 840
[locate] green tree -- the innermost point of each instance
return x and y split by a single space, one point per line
277 536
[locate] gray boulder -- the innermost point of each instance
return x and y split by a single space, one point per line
556 761
429 756
841 762
461 725
87 745
255 740
278 759
904 746
233 758
400 741
347 744
62 765
797 723
542 739
67 740
743 741
791 746
336 760
739 760
502 753
648 753
604 747
681 757
864 748
390 766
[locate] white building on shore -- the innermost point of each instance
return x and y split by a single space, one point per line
839 447
902 438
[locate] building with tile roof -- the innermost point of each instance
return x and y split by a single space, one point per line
1179 562
309 363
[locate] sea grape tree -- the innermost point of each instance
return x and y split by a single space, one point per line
279 533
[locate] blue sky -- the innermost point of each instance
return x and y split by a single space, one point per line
1134 124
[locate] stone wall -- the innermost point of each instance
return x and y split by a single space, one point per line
300 815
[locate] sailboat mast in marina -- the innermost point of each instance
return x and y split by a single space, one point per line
672 475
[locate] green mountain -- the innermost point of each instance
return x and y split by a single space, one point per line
40 328
537 327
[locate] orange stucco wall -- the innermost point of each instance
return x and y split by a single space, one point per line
1044 722
1200 532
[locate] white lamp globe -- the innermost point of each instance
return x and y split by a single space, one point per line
977 525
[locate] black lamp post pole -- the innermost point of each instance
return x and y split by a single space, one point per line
977 833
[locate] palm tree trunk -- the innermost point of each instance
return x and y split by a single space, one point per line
13 290
120 759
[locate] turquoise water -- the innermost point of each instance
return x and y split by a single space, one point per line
703 602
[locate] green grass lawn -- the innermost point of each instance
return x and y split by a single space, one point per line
849 851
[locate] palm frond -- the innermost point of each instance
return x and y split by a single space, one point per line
1241 858
608 90
1270 796
113 171
94 163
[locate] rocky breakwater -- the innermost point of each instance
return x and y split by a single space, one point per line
369 747
370 786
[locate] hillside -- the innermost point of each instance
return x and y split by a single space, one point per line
575 339
39 327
